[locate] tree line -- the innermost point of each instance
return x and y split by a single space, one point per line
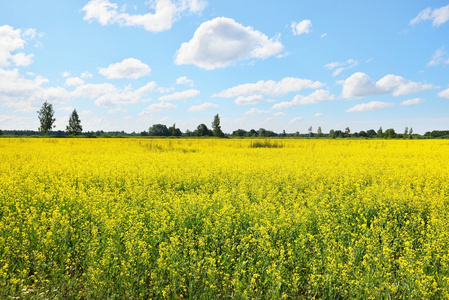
74 128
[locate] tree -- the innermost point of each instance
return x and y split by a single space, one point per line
371 133
319 133
310 131
347 132
202 130
216 128
175 131
380 132
332 134
159 130
74 126
405 132
410 133
390 133
239 133
1 132
46 117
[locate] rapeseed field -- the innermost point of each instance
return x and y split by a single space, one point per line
217 218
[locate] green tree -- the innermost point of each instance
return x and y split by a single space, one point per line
319 133
74 126
332 134
202 130
175 131
216 128
410 133
380 132
310 131
46 117
405 132
347 132
159 130
390 133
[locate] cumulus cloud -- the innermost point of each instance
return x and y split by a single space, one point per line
162 16
438 16
219 42
370 106
12 40
270 87
339 67
361 85
255 111
86 75
444 94
157 107
180 95
202 107
318 115
107 95
440 57
295 120
73 81
298 28
247 100
315 97
128 68
27 94
125 96
414 101
184 80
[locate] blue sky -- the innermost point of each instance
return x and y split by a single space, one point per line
279 65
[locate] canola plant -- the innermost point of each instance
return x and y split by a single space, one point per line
217 218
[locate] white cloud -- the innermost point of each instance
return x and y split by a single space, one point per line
318 115
157 107
280 114
116 110
180 95
315 97
126 96
164 13
439 57
94 90
438 16
219 42
295 120
202 107
73 81
12 40
86 75
270 87
444 94
27 94
184 80
370 106
12 122
65 74
414 101
323 35
361 85
298 28
255 111
128 68
341 66
247 100
107 94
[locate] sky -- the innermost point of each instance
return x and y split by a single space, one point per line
279 65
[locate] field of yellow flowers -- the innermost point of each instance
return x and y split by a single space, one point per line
217 218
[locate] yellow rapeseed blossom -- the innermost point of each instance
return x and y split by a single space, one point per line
217 218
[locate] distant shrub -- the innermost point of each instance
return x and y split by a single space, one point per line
266 144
